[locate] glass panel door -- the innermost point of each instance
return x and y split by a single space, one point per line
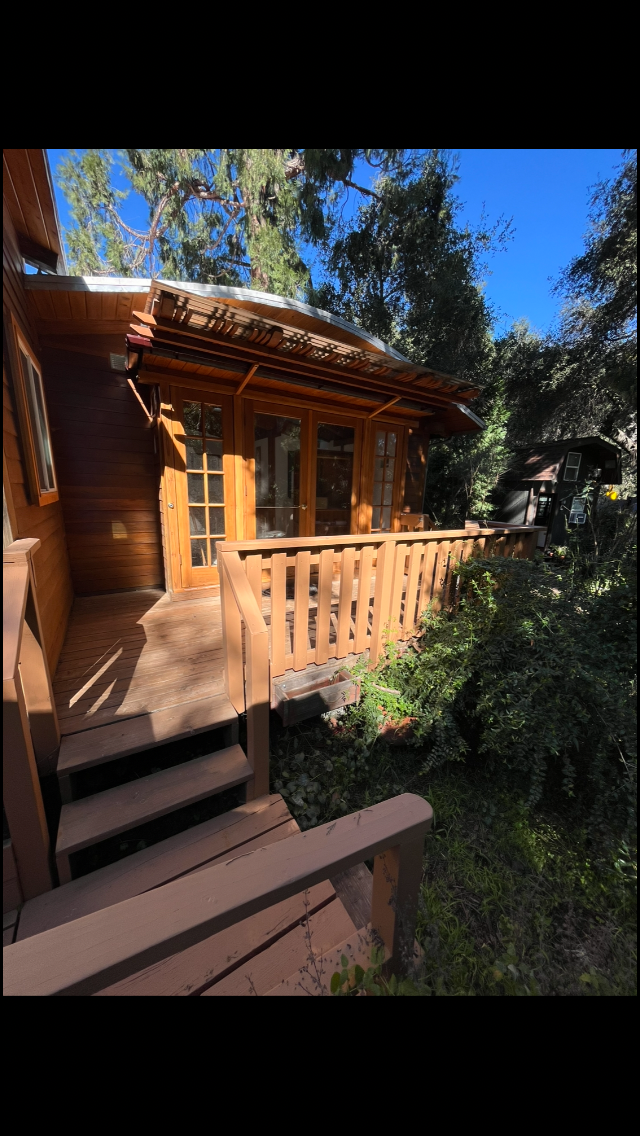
203 435
384 469
277 446
334 497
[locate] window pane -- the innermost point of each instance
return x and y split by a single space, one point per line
216 522
391 444
380 441
213 421
214 553
214 455
378 469
198 554
216 488
274 523
197 522
375 519
377 493
277 461
194 453
389 468
334 478
195 487
386 520
42 444
192 418
388 495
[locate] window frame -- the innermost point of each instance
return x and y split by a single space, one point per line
29 429
572 454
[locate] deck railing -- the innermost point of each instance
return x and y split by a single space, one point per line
30 732
310 600
97 950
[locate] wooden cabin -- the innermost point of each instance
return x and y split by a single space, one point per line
206 491
553 484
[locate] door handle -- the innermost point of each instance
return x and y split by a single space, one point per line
303 506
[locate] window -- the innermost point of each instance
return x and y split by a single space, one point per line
578 514
36 434
334 478
572 467
384 465
544 510
416 472
205 480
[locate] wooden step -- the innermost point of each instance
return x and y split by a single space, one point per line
265 819
132 735
96 818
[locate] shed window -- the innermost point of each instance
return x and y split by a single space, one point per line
572 467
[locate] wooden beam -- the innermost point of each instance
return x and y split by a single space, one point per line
133 388
249 375
387 405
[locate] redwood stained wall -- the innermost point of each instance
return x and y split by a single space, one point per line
51 564
108 471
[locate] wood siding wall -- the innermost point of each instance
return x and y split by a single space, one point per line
51 562
108 470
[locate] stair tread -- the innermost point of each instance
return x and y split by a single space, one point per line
88 821
264 819
132 735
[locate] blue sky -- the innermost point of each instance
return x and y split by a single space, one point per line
546 192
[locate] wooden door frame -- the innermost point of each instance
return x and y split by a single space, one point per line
366 480
175 489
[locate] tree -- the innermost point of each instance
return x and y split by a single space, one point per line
215 216
581 380
407 272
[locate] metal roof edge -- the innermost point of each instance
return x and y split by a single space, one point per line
132 284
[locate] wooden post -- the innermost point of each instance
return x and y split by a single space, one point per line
34 668
278 611
382 599
347 569
21 788
323 609
258 701
231 640
397 875
301 611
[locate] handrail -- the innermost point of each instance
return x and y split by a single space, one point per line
93 952
239 604
30 727
286 543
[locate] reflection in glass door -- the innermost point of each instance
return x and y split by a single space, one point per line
334 478
277 443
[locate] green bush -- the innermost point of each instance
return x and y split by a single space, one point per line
535 672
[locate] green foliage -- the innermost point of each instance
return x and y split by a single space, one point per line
352 981
215 216
463 471
407 272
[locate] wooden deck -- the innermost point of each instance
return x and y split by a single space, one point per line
132 653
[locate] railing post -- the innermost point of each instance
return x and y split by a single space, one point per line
21 787
397 876
258 701
231 640
34 667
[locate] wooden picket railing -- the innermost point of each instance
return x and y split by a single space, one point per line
30 732
310 600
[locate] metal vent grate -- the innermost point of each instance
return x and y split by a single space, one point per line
118 362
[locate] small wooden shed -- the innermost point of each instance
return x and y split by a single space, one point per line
553 484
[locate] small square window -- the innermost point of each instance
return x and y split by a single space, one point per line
572 468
